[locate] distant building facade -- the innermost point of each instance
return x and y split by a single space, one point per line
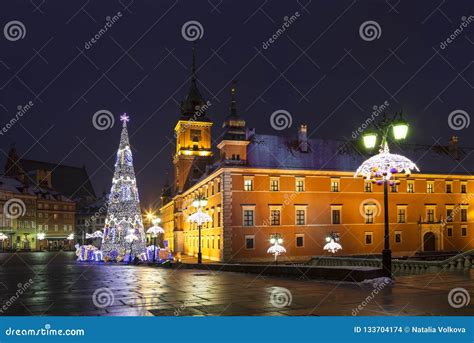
304 190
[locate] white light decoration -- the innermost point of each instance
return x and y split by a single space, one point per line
332 246
155 230
3 236
384 165
123 211
95 234
40 236
276 249
199 217
70 237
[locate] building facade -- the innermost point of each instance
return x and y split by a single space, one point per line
304 190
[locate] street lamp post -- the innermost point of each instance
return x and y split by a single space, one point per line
199 218
40 236
382 168
2 238
276 249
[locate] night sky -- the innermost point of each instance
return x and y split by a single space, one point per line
320 70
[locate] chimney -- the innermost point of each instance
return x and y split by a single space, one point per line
453 147
303 138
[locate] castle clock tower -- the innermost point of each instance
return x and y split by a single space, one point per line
193 137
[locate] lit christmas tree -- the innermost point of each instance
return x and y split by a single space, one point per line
123 211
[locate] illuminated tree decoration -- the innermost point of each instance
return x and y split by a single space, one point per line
123 211
332 246
384 166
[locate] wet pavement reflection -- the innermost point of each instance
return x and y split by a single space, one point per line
61 286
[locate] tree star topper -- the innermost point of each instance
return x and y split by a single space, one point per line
124 118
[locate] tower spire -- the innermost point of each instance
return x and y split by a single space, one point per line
233 102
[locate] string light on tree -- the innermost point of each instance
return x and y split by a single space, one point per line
123 210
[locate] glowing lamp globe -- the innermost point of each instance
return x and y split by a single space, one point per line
370 139
400 129
272 240
41 236
280 240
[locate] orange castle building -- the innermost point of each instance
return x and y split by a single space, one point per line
304 190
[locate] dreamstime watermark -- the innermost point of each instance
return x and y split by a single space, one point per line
192 30
465 23
465 200
14 208
370 30
21 111
458 120
288 200
377 110
103 297
14 30
110 21
199 111
281 297
280 120
46 331
21 289
103 120
459 297
288 21
372 205
378 286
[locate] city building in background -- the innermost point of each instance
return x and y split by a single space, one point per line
303 190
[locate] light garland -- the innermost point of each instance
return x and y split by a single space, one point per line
95 234
155 230
123 211
383 166
276 249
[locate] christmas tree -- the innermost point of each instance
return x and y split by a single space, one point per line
124 218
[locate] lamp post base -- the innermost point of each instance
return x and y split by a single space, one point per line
199 258
387 262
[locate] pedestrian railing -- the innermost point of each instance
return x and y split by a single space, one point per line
461 261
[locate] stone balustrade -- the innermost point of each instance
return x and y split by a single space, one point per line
461 261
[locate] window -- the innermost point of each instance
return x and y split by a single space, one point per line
274 184
394 188
55 215
248 184
449 187
430 187
398 237
218 242
336 215
335 185
56 227
410 187
218 216
464 214
464 231
299 185
300 216
368 186
248 216
299 240
369 238
430 215
450 232
369 214
218 186
463 187
275 217
449 214
401 214
250 242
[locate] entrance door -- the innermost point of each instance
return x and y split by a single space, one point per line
429 241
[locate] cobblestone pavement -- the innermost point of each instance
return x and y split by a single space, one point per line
62 286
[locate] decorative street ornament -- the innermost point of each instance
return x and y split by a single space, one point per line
276 249
332 246
95 234
199 217
155 230
383 166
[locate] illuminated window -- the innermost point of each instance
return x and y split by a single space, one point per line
275 217
430 187
401 214
248 216
335 185
248 184
410 187
368 186
299 185
274 184
300 216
